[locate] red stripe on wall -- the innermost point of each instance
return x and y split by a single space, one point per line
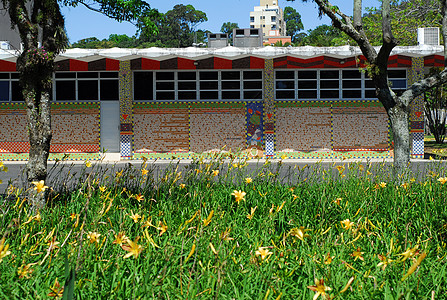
77 65
149 64
256 63
112 64
222 63
185 64
7 66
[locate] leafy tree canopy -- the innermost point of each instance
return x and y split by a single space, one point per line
293 22
322 36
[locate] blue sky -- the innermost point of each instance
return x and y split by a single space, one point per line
82 23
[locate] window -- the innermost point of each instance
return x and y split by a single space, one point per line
252 19
273 26
187 85
252 26
10 89
331 84
273 18
209 85
143 85
86 86
231 85
252 84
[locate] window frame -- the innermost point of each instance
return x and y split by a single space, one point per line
10 81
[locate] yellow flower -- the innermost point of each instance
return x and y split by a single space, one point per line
226 235
144 172
182 185
119 174
357 254
340 169
361 168
409 253
73 216
250 216
208 219
384 261
299 233
102 188
328 259
133 248
319 288
39 186
405 185
382 185
162 227
52 244
238 195
135 217
248 180
25 270
139 197
56 290
4 249
120 238
263 252
88 164
337 201
198 171
442 180
214 173
346 224
93 237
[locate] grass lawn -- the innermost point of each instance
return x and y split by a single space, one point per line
210 232
433 149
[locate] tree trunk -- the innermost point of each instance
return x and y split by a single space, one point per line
399 119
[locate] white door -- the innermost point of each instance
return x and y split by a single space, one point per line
110 122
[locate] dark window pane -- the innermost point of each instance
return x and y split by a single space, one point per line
326 94
285 95
165 96
208 75
187 95
252 95
231 85
65 90
348 94
109 89
369 84
329 84
398 84
302 95
165 86
253 85
285 85
16 91
165 75
88 90
108 74
397 74
208 85
235 95
4 90
252 74
208 95
4 75
370 94
285 75
307 74
65 75
231 75
87 74
351 84
143 85
187 76
14 75
329 74
351 74
188 85
307 84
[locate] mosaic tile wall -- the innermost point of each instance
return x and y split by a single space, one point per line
269 107
126 107
416 73
213 128
69 136
161 127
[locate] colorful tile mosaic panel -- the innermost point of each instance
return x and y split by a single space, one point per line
415 74
255 124
126 108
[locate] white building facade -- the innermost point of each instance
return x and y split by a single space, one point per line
268 16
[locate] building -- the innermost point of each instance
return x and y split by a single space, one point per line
297 102
268 16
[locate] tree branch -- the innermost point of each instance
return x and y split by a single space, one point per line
389 42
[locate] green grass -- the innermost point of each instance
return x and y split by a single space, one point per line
209 249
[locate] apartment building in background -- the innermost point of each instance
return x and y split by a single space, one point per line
269 17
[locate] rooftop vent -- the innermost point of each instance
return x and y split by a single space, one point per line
5 45
428 36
